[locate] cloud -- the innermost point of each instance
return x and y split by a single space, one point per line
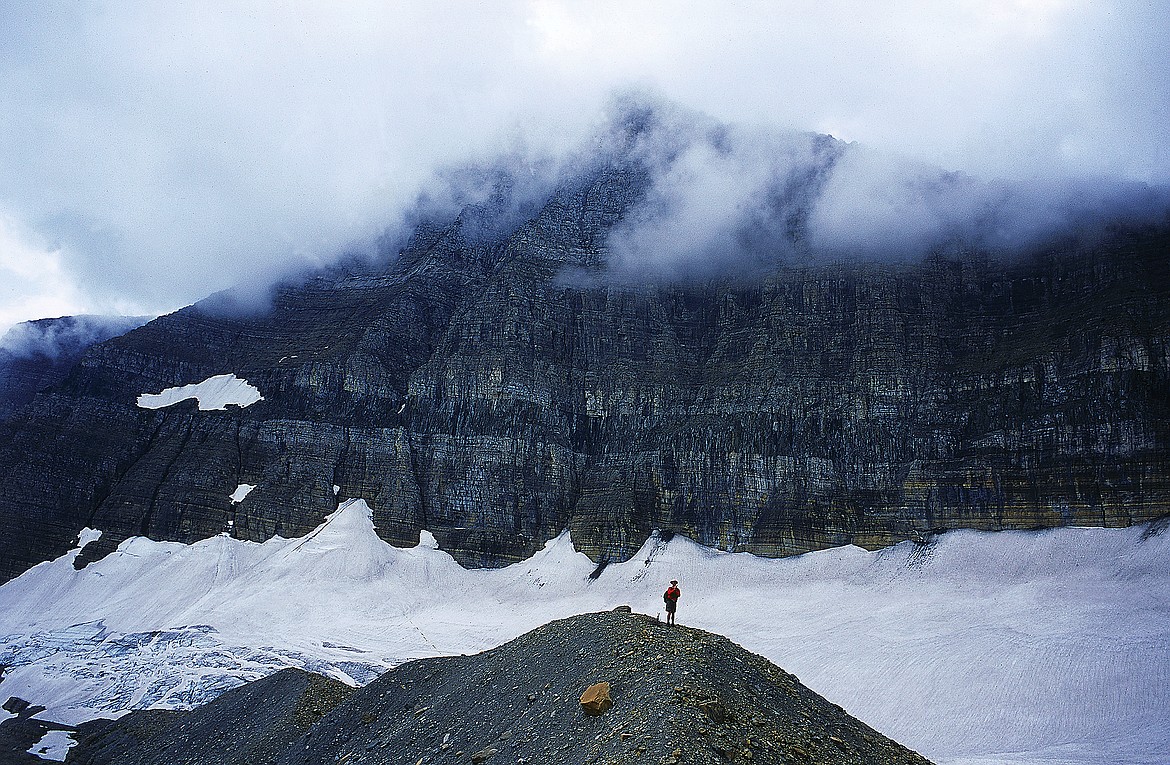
721 199
878 205
64 337
725 200
32 281
165 151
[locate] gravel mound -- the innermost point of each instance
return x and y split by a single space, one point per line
252 724
680 695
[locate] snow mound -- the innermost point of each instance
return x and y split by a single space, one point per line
213 393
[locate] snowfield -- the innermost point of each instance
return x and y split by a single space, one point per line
213 393
1008 648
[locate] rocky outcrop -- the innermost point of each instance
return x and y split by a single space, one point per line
22 734
680 695
496 389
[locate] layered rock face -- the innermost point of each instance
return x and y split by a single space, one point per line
497 388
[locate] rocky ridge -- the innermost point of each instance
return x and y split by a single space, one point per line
680 695
21 733
490 385
254 723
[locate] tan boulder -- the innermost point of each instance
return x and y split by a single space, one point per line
595 700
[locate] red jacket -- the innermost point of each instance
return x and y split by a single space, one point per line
671 594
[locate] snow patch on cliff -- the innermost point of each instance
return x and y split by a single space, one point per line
1014 647
242 491
213 393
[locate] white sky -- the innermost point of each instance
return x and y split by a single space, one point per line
151 153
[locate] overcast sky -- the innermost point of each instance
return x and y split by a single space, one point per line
154 152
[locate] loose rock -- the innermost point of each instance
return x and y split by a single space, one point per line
596 699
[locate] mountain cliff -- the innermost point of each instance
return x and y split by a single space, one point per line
493 382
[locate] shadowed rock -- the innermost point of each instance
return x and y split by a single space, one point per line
251 724
37 354
21 733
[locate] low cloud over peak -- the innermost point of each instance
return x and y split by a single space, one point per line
726 200
154 154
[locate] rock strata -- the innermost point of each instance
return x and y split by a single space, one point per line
496 391
36 355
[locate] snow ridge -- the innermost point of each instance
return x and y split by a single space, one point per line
1009 647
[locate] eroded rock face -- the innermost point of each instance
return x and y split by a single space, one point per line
485 391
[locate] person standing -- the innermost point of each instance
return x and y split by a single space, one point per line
671 598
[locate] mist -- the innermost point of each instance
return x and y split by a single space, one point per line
64 337
883 206
154 154
725 200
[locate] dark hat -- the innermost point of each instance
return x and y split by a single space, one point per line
674 581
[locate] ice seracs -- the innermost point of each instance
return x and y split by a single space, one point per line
213 393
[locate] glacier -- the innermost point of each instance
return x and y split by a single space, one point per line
1016 648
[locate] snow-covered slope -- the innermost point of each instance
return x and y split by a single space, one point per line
1035 647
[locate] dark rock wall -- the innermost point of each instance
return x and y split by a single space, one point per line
35 355
496 392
